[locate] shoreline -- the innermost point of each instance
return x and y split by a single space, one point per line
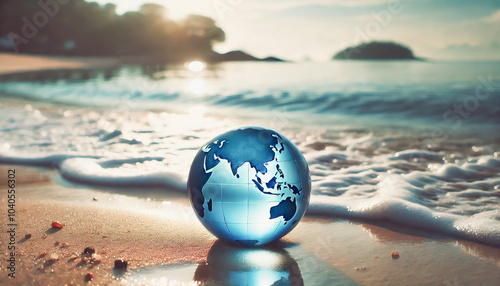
13 63
153 234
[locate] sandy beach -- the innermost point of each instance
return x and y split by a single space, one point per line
355 252
141 238
11 63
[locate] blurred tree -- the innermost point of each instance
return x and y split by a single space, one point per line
201 33
82 28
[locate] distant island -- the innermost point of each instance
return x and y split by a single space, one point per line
239 56
376 51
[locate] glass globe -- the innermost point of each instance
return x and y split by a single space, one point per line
249 186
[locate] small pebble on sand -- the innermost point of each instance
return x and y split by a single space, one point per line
57 225
121 264
395 255
89 276
89 250
96 257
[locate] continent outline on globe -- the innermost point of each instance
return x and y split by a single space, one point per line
253 169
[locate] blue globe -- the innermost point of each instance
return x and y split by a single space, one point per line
249 186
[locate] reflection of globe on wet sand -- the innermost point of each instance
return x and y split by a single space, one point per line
249 186
234 265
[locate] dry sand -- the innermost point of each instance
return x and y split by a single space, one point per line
145 238
10 63
140 238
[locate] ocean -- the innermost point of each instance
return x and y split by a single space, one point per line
415 143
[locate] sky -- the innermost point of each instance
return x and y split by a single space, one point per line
317 29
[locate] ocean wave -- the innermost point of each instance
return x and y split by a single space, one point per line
96 171
438 201
92 172
461 200
40 160
406 98
483 228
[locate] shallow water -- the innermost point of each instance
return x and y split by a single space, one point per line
415 143
279 264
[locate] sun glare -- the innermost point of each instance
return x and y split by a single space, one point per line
263 258
197 86
196 66
197 111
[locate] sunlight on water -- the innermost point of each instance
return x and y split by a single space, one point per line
197 86
197 111
266 259
196 66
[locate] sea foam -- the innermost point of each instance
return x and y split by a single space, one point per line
411 199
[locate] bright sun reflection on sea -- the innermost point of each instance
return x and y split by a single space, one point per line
196 66
197 111
197 86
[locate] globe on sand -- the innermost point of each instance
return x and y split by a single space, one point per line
249 186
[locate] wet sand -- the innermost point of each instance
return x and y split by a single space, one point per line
424 258
149 228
